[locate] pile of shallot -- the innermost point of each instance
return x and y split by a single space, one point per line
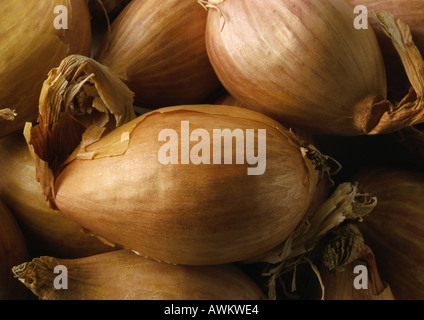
212 150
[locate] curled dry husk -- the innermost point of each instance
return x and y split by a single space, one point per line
122 275
409 11
47 231
412 13
186 214
30 46
395 230
275 57
158 49
13 250
326 212
79 96
343 250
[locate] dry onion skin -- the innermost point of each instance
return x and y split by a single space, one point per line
346 204
187 214
396 227
339 285
30 47
412 13
158 49
343 252
13 250
306 65
409 11
79 96
47 231
122 275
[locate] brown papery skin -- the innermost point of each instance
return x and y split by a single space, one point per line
30 47
158 49
122 275
300 62
412 13
339 285
13 251
48 232
190 214
395 229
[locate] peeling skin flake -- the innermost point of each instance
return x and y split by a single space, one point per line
345 204
8 114
116 142
410 110
80 101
